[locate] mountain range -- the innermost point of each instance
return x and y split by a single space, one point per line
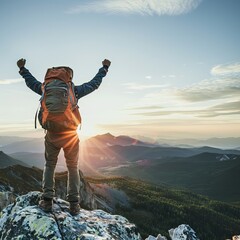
205 170
12 144
211 174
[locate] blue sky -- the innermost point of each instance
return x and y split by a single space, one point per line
175 69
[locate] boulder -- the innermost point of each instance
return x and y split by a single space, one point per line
183 232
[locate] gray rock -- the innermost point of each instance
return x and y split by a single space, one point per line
24 220
183 232
159 237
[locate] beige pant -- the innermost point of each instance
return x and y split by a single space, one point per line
53 143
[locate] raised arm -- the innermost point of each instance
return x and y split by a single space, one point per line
30 80
88 87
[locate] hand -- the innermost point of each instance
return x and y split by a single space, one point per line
106 62
21 63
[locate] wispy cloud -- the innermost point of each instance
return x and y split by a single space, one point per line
224 84
226 69
142 7
215 97
10 81
136 86
231 108
211 89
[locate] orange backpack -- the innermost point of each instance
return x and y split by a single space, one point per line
59 110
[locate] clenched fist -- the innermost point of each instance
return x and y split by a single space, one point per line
106 62
21 63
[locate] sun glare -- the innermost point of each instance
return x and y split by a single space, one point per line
87 130
95 155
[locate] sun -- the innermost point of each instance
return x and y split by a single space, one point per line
93 116
87 130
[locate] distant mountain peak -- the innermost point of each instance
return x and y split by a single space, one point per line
106 135
108 139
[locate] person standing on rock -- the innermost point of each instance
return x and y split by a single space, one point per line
59 116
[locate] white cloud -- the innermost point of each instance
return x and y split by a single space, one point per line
142 7
136 86
10 81
148 77
226 69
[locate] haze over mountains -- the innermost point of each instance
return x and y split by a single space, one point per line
117 151
10 144
224 143
5 140
6 161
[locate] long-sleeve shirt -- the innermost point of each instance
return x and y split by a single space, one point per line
80 90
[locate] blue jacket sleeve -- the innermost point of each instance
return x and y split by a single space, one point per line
88 87
31 81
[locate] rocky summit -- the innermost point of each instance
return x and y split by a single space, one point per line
23 219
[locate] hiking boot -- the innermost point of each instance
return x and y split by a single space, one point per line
74 208
45 205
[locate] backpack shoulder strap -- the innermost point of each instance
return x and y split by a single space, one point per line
35 119
72 95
